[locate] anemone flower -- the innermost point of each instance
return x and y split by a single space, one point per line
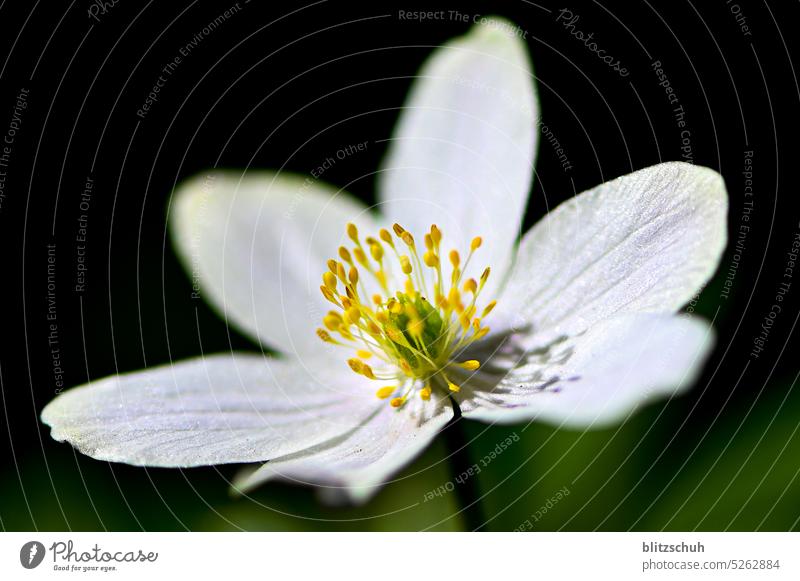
388 323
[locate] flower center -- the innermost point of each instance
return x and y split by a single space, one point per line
415 335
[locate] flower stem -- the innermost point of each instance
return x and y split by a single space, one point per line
463 474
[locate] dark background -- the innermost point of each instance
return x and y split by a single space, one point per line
283 86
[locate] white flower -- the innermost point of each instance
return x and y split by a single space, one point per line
584 328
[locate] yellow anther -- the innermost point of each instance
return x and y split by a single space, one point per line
361 257
353 314
436 234
455 259
352 232
366 371
386 237
361 368
353 275
332 322
328 294
430 259
454 297
470 365
394 334
329 279
416 327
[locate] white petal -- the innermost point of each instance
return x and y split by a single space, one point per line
463 151
645 242
257 245
220 409
596 378
356 465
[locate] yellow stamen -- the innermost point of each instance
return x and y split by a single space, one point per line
353 314
352 232
386 237
326 292
415 332
455 259
485 276
332 322
329 279
436 234
361 257
430 259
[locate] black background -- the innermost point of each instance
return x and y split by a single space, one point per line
282 85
